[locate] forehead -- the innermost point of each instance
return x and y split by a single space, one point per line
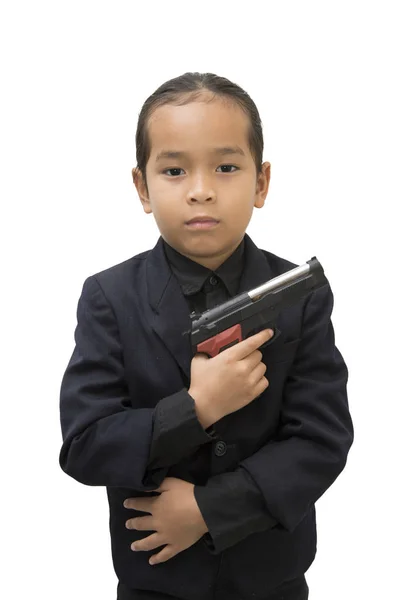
207 123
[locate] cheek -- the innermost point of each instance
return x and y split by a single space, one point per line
157 188
241 209
163 199
165 210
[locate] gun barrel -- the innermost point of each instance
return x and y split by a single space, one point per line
279 281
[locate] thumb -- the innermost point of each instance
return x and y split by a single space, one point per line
201 356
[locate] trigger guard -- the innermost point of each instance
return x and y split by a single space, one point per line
277 333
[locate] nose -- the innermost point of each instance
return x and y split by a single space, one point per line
201 191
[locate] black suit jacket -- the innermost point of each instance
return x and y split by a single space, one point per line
131 366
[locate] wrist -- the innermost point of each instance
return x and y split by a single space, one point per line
202 410
202 524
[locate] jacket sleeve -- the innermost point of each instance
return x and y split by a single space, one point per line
177 431
233 508
105 441
308 451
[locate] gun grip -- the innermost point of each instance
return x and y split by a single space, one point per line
220 342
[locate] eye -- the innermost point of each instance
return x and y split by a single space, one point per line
228 167
173 171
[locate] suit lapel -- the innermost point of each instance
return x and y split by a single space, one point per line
170 312
256 268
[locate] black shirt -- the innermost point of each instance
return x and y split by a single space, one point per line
203 288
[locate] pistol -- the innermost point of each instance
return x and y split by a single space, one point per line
248 313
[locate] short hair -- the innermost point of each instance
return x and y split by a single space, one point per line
187 88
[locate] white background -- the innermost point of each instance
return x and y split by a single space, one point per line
74 76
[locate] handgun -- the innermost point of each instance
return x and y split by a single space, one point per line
219 328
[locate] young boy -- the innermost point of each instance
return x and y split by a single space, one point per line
212 465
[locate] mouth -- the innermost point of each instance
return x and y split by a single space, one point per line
202 223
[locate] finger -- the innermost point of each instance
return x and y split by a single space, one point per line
261 386
253 359
258 372
140 523
247 346
148 543
140 504
165 554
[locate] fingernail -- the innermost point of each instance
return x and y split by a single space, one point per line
271 332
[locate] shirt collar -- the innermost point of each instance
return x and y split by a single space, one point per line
192 276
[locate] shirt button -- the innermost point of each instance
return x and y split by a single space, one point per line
213 280
220 448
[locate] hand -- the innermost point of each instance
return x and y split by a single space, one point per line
229 381
175 518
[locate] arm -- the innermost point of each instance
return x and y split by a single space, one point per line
106 441
308 451
233 508
178 425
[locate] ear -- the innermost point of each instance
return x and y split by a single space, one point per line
263 179
142 190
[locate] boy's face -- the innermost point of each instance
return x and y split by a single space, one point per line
203 179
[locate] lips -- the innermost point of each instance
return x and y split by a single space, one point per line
202 219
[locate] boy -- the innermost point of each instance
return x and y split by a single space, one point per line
234 460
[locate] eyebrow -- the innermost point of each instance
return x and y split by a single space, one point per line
219 151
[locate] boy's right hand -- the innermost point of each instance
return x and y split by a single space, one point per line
227 382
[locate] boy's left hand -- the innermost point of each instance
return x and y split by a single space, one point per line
175 518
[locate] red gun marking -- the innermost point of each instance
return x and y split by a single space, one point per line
216 344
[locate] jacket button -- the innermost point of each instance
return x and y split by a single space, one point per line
213 280
220 448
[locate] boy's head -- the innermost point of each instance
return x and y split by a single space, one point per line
199 148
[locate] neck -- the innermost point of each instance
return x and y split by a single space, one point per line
215 261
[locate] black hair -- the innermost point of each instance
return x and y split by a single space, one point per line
187 88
